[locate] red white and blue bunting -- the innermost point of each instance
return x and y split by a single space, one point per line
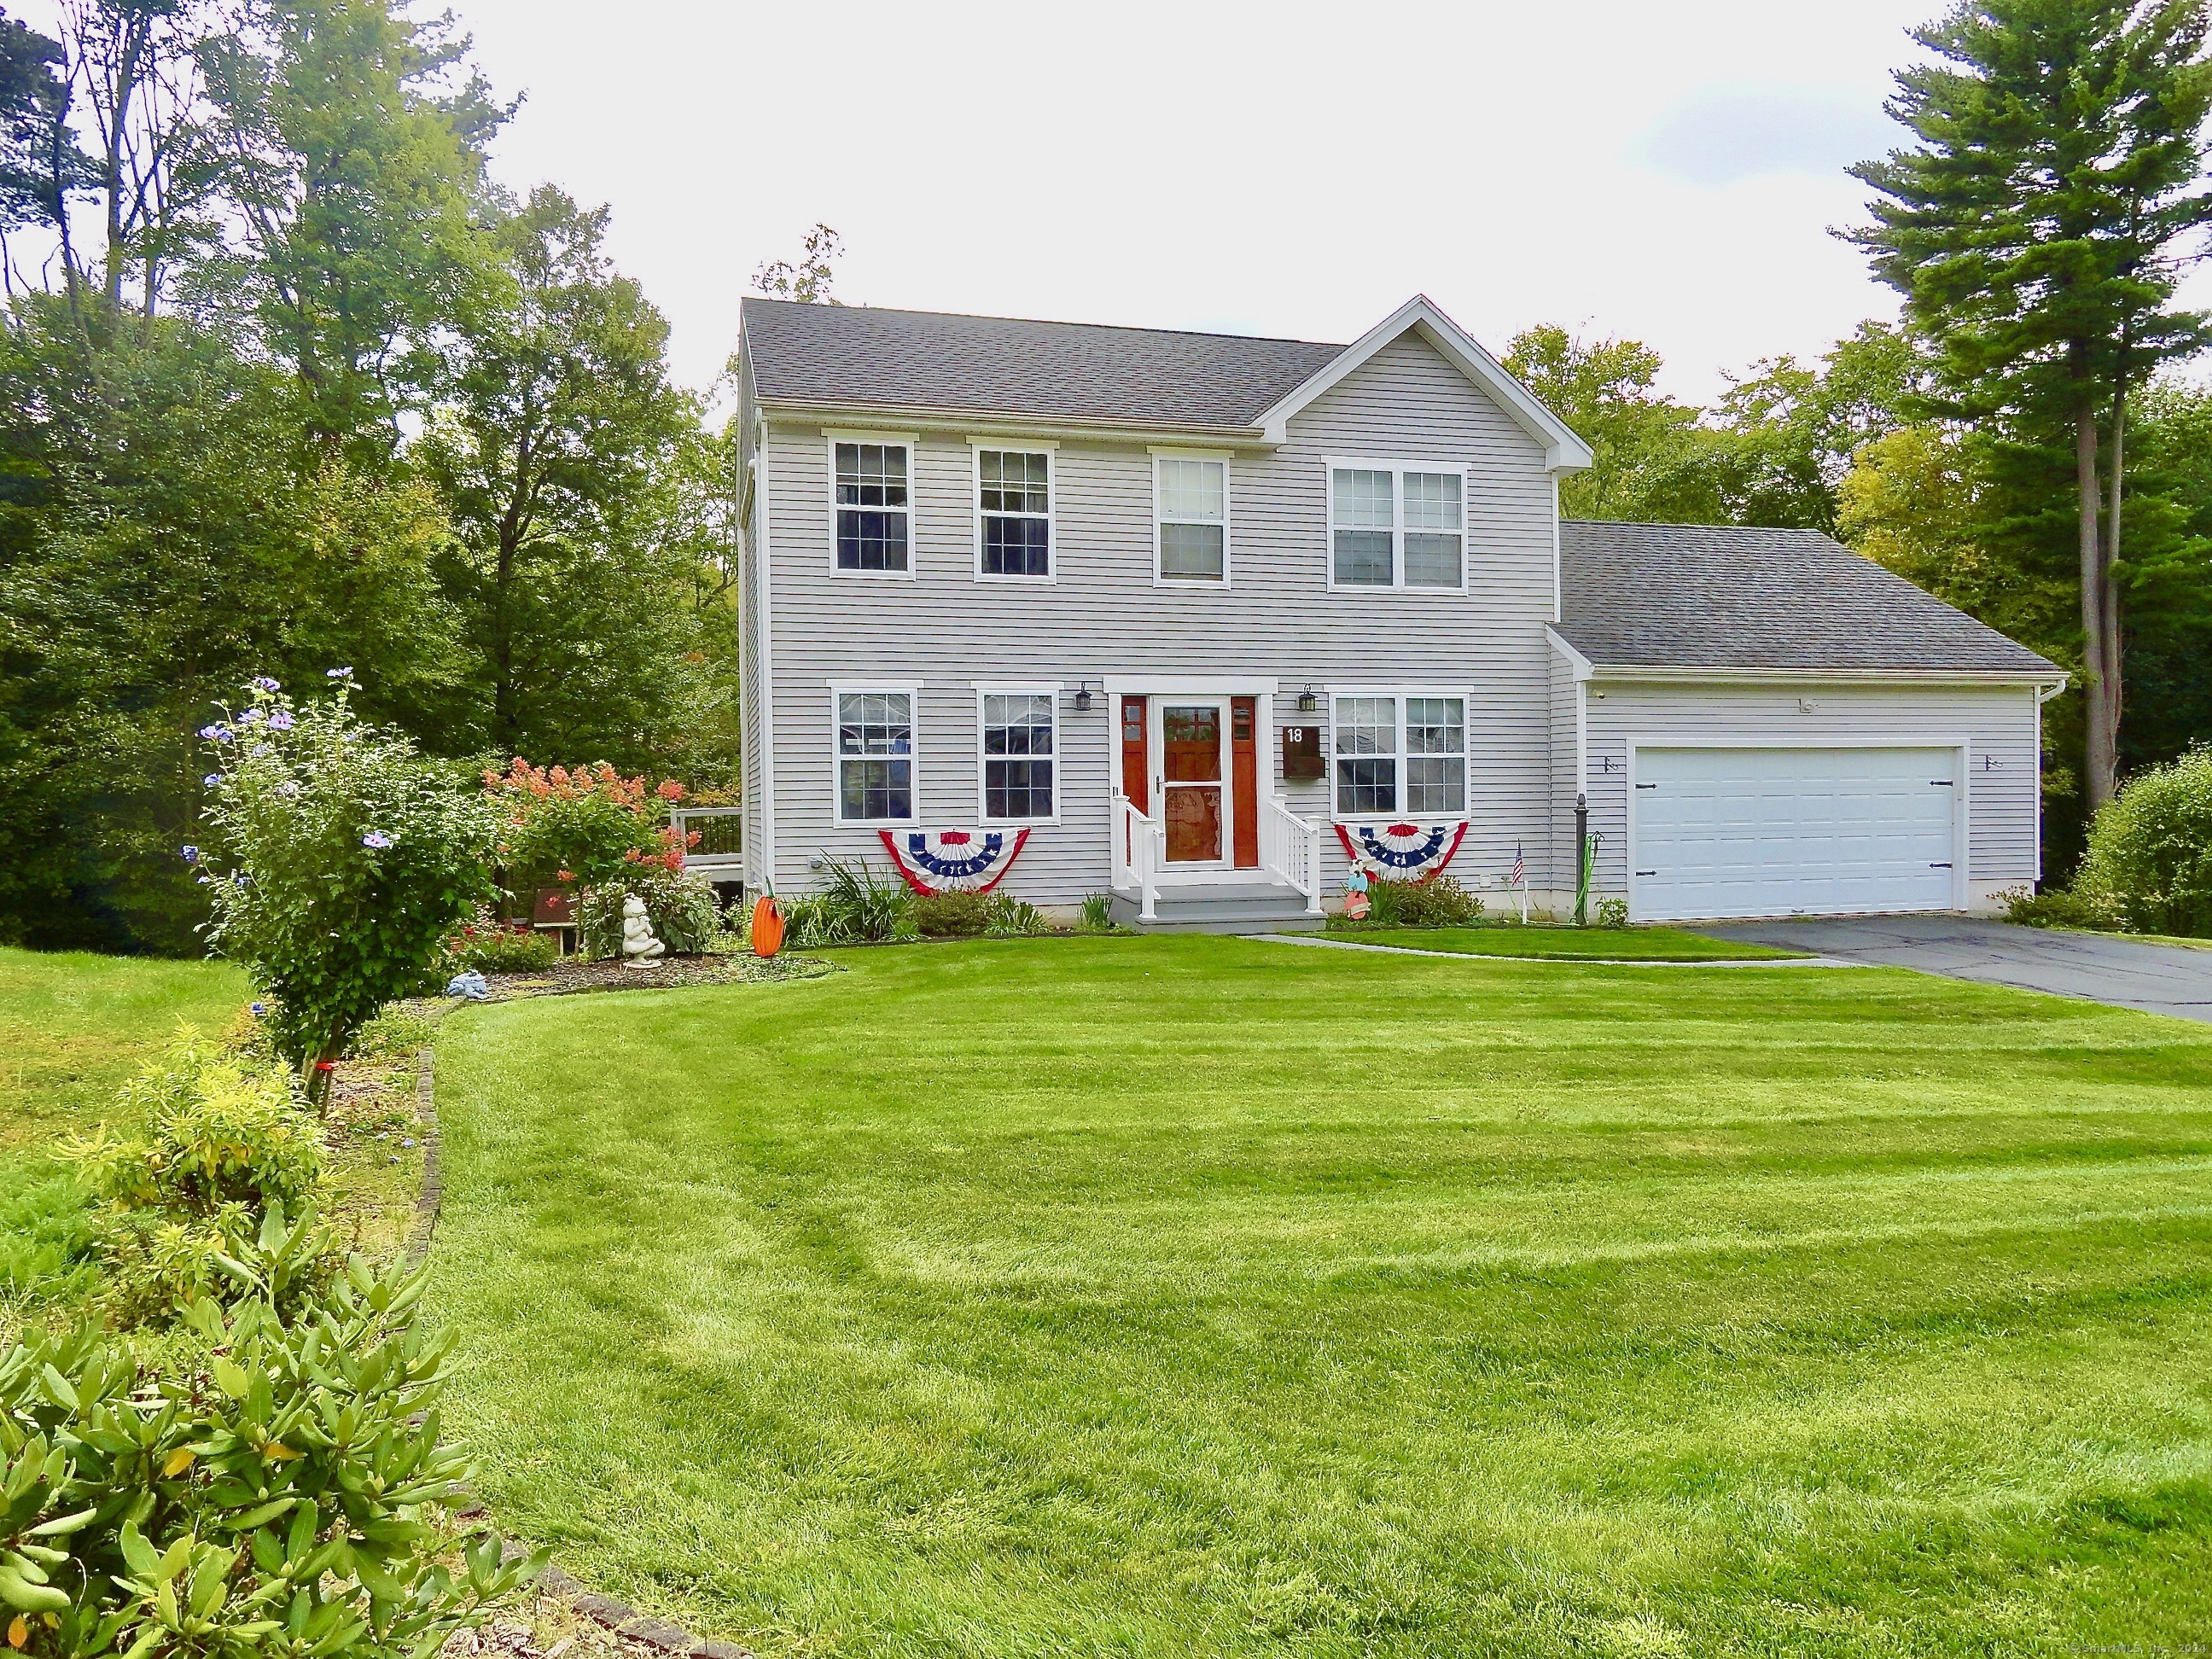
1404 852
952 860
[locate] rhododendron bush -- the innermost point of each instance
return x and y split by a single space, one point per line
585 827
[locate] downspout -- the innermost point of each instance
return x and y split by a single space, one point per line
761 495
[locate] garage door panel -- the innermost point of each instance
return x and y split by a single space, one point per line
1723 832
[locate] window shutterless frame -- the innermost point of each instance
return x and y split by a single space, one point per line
1425 747
1416 522
1009 491
1014 693
1169 513
874 745
909 444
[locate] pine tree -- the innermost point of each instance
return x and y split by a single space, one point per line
2037 232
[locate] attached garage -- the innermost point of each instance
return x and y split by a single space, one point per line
1762 723
1800 831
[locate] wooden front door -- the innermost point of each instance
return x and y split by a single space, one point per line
1136 758
1192 781
1244 779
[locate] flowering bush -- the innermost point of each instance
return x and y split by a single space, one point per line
351 859
585 826
492 946
680 906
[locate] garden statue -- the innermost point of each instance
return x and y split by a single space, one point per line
639 944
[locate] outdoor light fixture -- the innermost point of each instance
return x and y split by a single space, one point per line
1307 702
1082 700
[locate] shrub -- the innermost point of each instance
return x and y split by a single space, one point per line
276 1495
2054 908
1097 916
1613 913
1008 917
218 1137
585 826
855 906
1439 901
2149 862
355 859
680 905
951 915
498 950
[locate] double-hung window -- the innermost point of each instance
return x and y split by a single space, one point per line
1190 495
1392 525
875 756
873 505
1020 749
1013 509
1400 754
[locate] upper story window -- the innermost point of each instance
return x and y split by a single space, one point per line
873 505
875 756
1019 728
1396 526
1013 505
1401 754
1190 495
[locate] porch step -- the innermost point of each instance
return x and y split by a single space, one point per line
1229 907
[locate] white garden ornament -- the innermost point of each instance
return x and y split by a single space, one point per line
638 944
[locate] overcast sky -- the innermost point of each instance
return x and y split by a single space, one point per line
1669 172
1666 171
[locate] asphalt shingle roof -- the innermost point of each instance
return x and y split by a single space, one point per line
1709 596
838 354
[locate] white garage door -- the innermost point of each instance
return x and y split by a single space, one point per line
1777 832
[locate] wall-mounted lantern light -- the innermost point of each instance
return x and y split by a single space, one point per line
1307 702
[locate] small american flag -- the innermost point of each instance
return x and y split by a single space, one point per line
1519 866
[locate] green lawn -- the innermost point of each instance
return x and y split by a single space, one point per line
1621 944
1179 1296
72 1027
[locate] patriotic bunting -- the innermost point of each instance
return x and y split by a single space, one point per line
1405 851
952 860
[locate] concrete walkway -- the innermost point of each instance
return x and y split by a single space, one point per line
2158 979
1577 961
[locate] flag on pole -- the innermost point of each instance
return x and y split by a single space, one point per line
1521 881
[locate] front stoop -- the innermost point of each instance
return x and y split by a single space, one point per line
1223 907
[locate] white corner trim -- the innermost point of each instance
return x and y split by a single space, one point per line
1578 662
1563 451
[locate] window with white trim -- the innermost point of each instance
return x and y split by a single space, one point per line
1401 754
1019 750
872 505
1014 501
1396 526
875 756
1192 495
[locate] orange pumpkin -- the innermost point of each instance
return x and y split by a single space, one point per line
768 925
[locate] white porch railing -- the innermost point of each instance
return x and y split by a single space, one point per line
721 835
1139 848
1290 847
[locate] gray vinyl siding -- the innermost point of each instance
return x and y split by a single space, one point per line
1998 725
1105 616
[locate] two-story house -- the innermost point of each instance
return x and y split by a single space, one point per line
1196 619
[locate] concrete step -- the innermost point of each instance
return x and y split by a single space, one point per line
1226 908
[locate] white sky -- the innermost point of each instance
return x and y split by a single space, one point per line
1668 172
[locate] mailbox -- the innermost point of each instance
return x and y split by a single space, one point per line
1302 761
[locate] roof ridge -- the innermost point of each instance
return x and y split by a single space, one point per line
1060 322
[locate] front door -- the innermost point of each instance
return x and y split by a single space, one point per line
1194 779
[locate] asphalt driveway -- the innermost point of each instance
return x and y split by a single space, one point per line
2160 979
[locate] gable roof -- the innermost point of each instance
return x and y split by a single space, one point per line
1673 596
1563 451
839 356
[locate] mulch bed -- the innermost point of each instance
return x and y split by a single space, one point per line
573 975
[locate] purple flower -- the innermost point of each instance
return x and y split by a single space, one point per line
191 855
338 673
216 733
258 749
241 881
288 789
280 722
257 1009
263 682
212 779
376 838
249 717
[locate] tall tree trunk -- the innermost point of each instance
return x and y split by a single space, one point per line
2108 597
2099 758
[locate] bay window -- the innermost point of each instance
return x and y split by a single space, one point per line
1392 526
1400 754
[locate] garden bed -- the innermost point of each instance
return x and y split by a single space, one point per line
573 975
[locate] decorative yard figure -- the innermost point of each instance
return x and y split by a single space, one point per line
639 944
1356 882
